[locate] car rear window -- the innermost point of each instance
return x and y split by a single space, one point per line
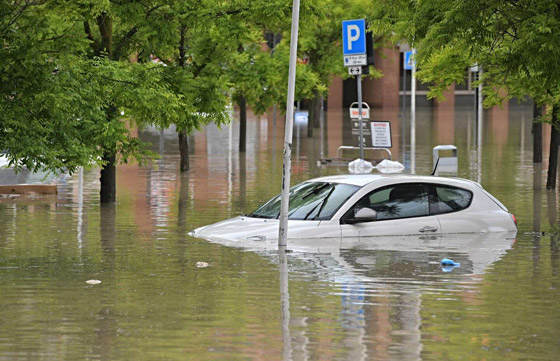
449 199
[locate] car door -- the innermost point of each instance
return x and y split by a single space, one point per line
401 209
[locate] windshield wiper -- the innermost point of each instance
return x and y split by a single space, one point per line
321 203
316 190
256 215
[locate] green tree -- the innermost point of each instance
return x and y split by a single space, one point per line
514 42
253 73
67 80
320 46
71 72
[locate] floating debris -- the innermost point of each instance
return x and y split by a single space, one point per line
201 264
93 282
447 265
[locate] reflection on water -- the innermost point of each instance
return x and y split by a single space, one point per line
355 302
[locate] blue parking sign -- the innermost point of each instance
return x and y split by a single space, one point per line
354 37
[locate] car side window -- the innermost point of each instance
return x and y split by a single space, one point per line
448 199
398 201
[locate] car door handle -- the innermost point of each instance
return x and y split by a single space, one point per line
427 229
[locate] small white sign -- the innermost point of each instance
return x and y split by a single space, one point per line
381 134
354 70
355 113
355 60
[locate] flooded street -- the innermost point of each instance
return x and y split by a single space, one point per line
155 302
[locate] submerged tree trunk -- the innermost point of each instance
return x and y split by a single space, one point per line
537 134
242 102
184 150
183 140
553 157
183 201
108 178
108 192
314 113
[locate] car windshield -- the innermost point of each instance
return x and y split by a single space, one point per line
310 201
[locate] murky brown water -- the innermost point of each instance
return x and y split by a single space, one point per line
154 303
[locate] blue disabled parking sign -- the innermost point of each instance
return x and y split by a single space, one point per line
354 37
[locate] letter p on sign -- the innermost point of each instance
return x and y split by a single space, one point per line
354 37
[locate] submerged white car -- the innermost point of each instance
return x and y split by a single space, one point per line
366 205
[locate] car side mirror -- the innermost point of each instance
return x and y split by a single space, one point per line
365 215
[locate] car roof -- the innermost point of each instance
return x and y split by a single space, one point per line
364 179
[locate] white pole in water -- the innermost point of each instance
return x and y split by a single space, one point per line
479 135
286 168
285 302
413 115
360 117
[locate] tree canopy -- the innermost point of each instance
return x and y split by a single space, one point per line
515 42
61 84
71 71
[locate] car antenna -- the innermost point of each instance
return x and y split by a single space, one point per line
435 167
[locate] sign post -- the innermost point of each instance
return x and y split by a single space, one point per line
286 168
413 115
355 54
407 65
360 117
480 114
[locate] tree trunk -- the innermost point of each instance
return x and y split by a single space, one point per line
314 113
537 135
242 102
183 201
107 231
108 192
553 157
108 179
105 24
184 150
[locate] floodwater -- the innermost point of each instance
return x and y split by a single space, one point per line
156 302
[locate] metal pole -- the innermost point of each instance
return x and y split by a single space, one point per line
475 100
230 166
284 206
404 92
480 107
404 111
479 135
285 302
322 125
360 116
413 115
80 206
